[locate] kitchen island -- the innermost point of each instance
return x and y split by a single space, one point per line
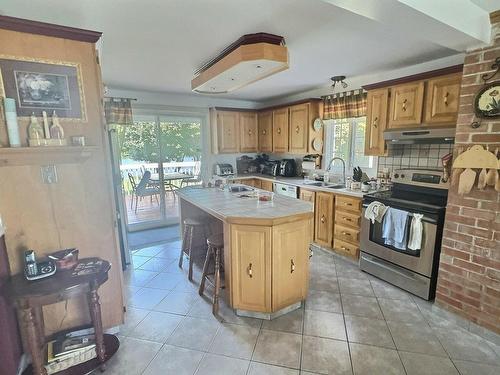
266 246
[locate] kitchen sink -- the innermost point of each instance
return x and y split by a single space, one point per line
239 189
314 183
335 186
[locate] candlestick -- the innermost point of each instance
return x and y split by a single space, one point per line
46 125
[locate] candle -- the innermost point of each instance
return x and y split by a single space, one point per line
46 125
11 119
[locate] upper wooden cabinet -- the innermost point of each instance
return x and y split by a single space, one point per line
406 105
299 127
376 121
227 131
442 100
265 120
280 130
248 132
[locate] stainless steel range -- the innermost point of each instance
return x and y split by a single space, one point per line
416 191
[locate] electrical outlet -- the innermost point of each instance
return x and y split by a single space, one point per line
49 174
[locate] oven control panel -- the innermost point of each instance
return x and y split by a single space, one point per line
420 177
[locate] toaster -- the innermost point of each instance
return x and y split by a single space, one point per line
223 169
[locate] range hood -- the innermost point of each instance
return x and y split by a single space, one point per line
251 58
420 135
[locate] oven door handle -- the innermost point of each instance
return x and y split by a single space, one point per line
424 219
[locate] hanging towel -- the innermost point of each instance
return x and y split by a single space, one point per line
416 232
394 228
375 211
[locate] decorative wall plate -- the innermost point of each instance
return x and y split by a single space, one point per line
487 102
317 144
317 124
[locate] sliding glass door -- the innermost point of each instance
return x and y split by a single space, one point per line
157 155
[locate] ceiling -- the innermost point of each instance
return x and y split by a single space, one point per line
156 45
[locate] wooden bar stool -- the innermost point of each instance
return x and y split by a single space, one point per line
190 227
214 253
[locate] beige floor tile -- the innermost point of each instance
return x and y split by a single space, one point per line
323 301
138 277
278 348
138 261
213 364
177 302
325 356
355 286
324 324
371 360
400 310
132 357
174 360
194 333
133 317
416 338
234 340
156 326
361 306
147 298
148 251
475 368
257 368
386 290
424 364
368 331
166 281
156 264
291 322
323 282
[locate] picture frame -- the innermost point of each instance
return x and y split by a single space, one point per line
43 85
487 101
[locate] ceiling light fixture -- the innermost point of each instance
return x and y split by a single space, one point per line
338 79
251 58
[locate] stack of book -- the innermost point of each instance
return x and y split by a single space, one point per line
69 350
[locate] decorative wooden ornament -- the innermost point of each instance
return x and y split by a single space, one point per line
476 157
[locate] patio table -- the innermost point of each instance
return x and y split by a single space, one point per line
169 178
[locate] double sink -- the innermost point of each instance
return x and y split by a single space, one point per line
325 185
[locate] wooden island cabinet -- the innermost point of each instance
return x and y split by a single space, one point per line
266 247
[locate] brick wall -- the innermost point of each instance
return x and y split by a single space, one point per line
469 272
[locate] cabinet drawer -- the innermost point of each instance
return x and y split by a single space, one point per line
348 203
346 248
348 218
346 233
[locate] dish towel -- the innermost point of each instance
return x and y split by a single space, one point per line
375 211
394 228
416 232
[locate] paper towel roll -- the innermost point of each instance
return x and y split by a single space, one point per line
11 119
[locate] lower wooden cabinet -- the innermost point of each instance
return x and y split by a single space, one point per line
290 263
307 195
346 248
251 267
323 226
266 185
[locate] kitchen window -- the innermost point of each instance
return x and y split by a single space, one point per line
345 138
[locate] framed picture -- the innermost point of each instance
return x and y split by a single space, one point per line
487 103
43 85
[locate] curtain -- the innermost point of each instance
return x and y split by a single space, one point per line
344 105
118 111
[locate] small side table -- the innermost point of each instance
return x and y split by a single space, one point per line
29 297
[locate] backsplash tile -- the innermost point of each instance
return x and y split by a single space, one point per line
414 156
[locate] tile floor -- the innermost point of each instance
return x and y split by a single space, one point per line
352 323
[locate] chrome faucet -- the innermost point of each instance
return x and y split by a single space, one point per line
343 167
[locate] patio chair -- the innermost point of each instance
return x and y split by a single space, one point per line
195 180
143 190
134 188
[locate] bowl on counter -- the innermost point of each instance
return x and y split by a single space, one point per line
265 196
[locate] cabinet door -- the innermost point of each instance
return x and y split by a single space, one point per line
376 121
442 100
323 226
257 183
248 132
265 120
298 130
280 130
266 185
227 131
307 195
251 267
290 263
406 105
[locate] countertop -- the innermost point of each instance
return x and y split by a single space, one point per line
230 207
299 182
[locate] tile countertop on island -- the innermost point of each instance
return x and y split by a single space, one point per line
299 182
230 207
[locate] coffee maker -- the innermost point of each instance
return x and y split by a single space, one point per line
288 168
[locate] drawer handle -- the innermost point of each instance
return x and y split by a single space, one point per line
404 105
249 270
264 132
249 131
346 233
344 248
346 218
446 98
278 131
292 266
297 129
375 122
323 219
347 204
